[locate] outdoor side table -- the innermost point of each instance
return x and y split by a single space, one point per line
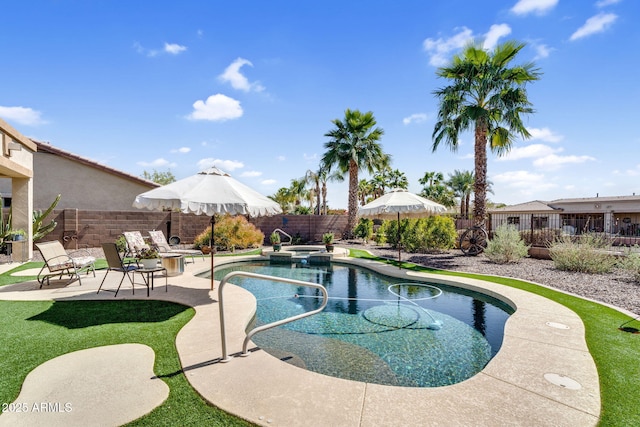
148 275
174 264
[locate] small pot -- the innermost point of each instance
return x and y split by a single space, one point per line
277 247
148 264
205 250
329 248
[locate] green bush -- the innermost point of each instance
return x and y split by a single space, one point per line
364 229
586 253
506 245
231 233
433 233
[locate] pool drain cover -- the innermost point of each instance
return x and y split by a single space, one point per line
562 381
557 325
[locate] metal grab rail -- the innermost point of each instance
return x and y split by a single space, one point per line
251 333
277 230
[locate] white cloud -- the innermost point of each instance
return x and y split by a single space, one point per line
237 80
250 174
605 3
533 151
542 51
217 108
158 163
22 115
174 48
415 118
596 24
522 180
439 50
309 157
225 165
182 150
539 7
268 182
545 134
553 161
494 34
281 158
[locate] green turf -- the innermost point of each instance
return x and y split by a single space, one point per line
34 332
616 353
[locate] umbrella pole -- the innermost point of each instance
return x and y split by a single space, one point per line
213 224
399 237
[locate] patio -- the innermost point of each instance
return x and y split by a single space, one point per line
266 391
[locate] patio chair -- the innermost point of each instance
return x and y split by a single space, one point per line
57 262
158 239
135 243
116 263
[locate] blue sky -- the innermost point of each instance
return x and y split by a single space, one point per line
252 86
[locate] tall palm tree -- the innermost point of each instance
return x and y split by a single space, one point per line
431 178
325 176
313 178
488 95
298 188
364 191
353 145
461 182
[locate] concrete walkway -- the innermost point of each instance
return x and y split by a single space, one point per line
542 375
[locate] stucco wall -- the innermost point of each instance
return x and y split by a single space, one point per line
81 186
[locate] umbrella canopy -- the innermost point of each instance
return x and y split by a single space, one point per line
400 202
397 202
208 192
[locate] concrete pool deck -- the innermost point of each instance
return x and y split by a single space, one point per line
542 375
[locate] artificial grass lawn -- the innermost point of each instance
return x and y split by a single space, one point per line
615 352
34 332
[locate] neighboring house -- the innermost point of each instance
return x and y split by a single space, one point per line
84 184
615 215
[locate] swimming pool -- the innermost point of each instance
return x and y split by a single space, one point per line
367 333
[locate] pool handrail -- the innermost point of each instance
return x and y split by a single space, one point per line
277 230
251 333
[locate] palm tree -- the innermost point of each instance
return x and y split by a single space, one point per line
299 190
354 145
488 95
431 178
461 182
313 177
365 189
325 176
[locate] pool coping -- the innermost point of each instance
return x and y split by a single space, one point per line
512 387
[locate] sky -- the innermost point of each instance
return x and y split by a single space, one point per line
252 86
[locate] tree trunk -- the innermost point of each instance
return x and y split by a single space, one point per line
353 200
317 198
324 198
480 185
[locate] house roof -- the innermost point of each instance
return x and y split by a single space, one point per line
45 147
533 206
606 199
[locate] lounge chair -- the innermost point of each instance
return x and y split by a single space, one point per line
158 239
57 262
135 243
116 263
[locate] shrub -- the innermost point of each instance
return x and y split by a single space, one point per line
433 233
585 253
121 244
231 233
364 229
631 264
542 238
506 245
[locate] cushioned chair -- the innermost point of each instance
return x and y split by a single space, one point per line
57 262
135 243
116 263
158 239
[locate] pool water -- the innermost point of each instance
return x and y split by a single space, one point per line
368 334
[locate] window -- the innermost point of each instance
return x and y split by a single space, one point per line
540 222
515 220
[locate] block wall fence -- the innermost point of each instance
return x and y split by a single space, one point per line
83 228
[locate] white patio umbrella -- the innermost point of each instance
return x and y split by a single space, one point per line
397 202
209 192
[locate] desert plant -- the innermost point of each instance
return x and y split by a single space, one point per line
631 263
231 232
506 245
148 253
586 253
39 228
364 229
274 238
121 244
327 238
433 233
